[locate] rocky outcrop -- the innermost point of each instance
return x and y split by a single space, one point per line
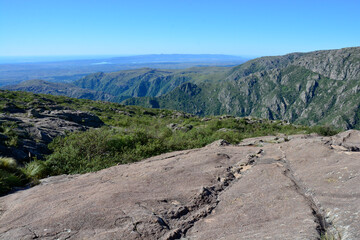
83 118
190 89
348 140
177 127
284 187
340 64
35 129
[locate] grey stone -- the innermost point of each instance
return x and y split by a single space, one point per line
298 189
349 140
36 128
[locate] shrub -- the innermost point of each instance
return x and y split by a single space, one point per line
8 129
10 175
324 130
79 152
329 236
7 163
99 148
36 170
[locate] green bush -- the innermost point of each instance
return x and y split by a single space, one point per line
99 148
7 163
329 236
78 153
10 175
324 130
36 170
8 129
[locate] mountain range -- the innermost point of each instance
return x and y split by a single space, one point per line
320 87
70 69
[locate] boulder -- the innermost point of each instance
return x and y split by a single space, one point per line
349 140
83 118
177 127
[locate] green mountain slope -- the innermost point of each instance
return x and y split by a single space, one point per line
309 88
118 86
147 81
64 89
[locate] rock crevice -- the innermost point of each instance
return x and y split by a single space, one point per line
295 189
305 192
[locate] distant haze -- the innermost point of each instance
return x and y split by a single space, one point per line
69 68
35 59
161 57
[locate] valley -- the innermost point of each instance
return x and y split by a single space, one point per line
312 88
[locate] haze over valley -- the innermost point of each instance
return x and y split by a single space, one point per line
71 70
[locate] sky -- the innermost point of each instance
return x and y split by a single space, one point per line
133 27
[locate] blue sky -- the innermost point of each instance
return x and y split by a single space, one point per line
237 27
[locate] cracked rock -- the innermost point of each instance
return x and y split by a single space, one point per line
295 189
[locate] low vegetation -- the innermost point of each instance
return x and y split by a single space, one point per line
11 176
130 134
329 236
100 148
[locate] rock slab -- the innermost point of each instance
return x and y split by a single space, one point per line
294 189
